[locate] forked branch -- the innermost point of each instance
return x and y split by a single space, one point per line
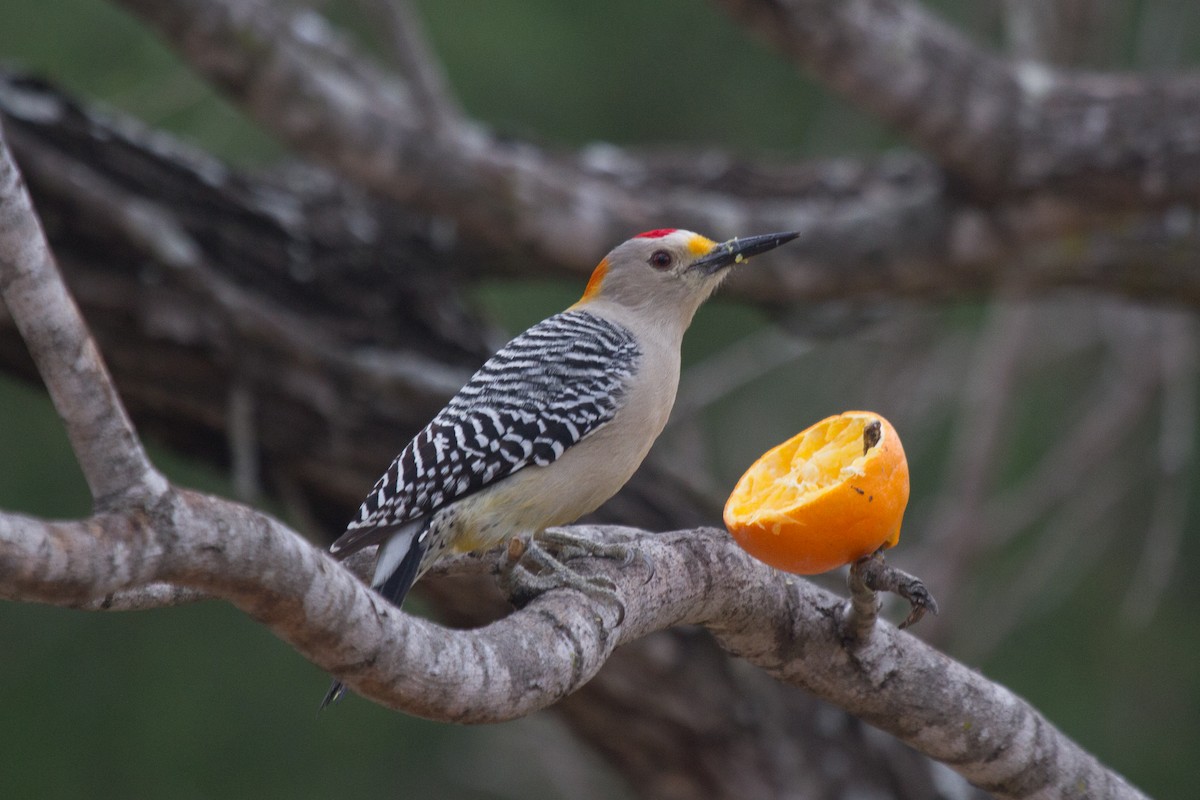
147 536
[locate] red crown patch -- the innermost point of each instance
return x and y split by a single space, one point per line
658 233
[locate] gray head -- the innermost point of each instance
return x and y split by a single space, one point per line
670 271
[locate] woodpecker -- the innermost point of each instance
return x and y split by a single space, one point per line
554 423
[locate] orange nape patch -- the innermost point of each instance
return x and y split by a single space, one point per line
699 245
595 282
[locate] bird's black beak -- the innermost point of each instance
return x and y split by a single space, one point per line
735 251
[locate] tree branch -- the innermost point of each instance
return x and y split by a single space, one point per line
1006 127
890 227
109 451
540 654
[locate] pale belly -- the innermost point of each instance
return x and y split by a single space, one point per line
585 476
537 498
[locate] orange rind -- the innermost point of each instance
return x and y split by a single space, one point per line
826 497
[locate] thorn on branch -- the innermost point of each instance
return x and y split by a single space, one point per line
870 575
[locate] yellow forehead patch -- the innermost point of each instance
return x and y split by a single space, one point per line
698 245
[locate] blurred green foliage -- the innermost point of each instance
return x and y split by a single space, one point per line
202 702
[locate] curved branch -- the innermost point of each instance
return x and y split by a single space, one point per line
538 655
1006 127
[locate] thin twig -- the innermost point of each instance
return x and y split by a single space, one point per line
1123 392
734 366
955 538
412 55
1074 540
243 442
1176 453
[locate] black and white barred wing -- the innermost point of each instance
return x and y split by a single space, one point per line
546 390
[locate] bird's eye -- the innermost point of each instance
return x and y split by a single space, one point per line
660 259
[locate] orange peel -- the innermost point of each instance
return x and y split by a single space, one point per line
828 496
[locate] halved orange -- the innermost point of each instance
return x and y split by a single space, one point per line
826 497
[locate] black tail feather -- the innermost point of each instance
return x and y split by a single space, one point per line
336 690
394 589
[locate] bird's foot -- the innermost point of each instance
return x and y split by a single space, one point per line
569 545
535 566
871 574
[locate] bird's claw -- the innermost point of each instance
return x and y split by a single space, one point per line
569 546
919 598
872 574
533 570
